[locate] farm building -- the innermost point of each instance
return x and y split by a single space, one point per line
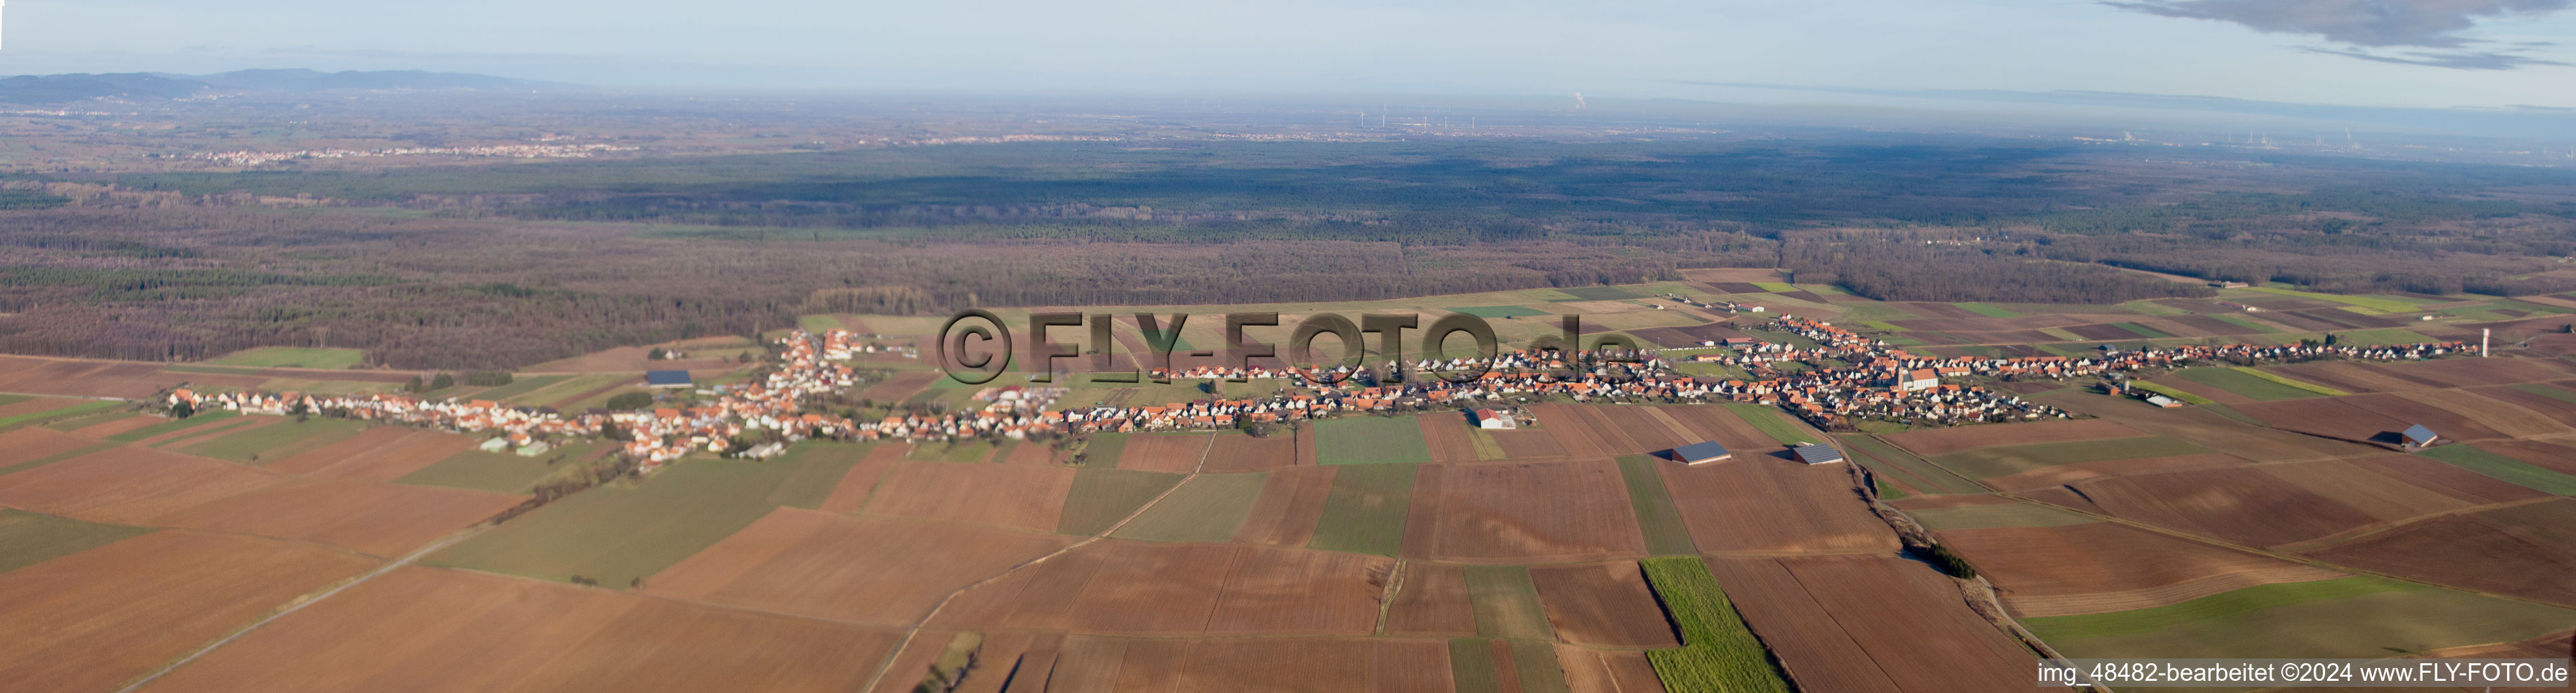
2417 436
666 379
1815 453
1499 420
1700 453
2163 401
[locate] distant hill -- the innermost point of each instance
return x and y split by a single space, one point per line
45 89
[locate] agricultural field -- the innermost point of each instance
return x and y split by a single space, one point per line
1370 440
2369 617
1385 553
623 534
290 357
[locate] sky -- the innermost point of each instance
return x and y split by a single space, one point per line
2413 53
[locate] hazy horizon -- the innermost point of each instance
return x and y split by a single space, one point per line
2401 53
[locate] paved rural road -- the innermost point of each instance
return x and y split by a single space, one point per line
407 559
915 631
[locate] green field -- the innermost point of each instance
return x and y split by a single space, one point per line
2176 393
2142 330
69 409
290 357
1102 496
520 385
1103 449
2549 391
1498 311
28 538
1364 512
2510 470
1890 461
1605 293
1370 440
198 434
174 425
1988 310
2239 321
1789 338
53 458
630 529
2146 307
2014 514
81 421
820 323
2244 383
1535 663
277 441
819 466
965 450
558 394
499 472
1656 513
2279 379
1208 507
1772 422
2390 305
2345 617
1471 666
1994 462
1506 603
1718 653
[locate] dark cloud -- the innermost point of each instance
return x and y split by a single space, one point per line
2362 25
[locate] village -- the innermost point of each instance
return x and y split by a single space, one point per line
1879 382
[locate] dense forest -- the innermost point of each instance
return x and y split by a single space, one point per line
492 267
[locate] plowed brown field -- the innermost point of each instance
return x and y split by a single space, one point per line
1764 504
1528 445
851 493
1017 497
1603 604
1243 453
1144 588
413 451
2332 417
84 378
864 569
2070 473
2240 504
2096 567
1165 452
129 485
2470 551
1717 424
1286 665
1522 512
90 620
431 629
1290 506
1588 670
1446 435
1907 622
1432 602
35 443
366 516
2556 457
1943 441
